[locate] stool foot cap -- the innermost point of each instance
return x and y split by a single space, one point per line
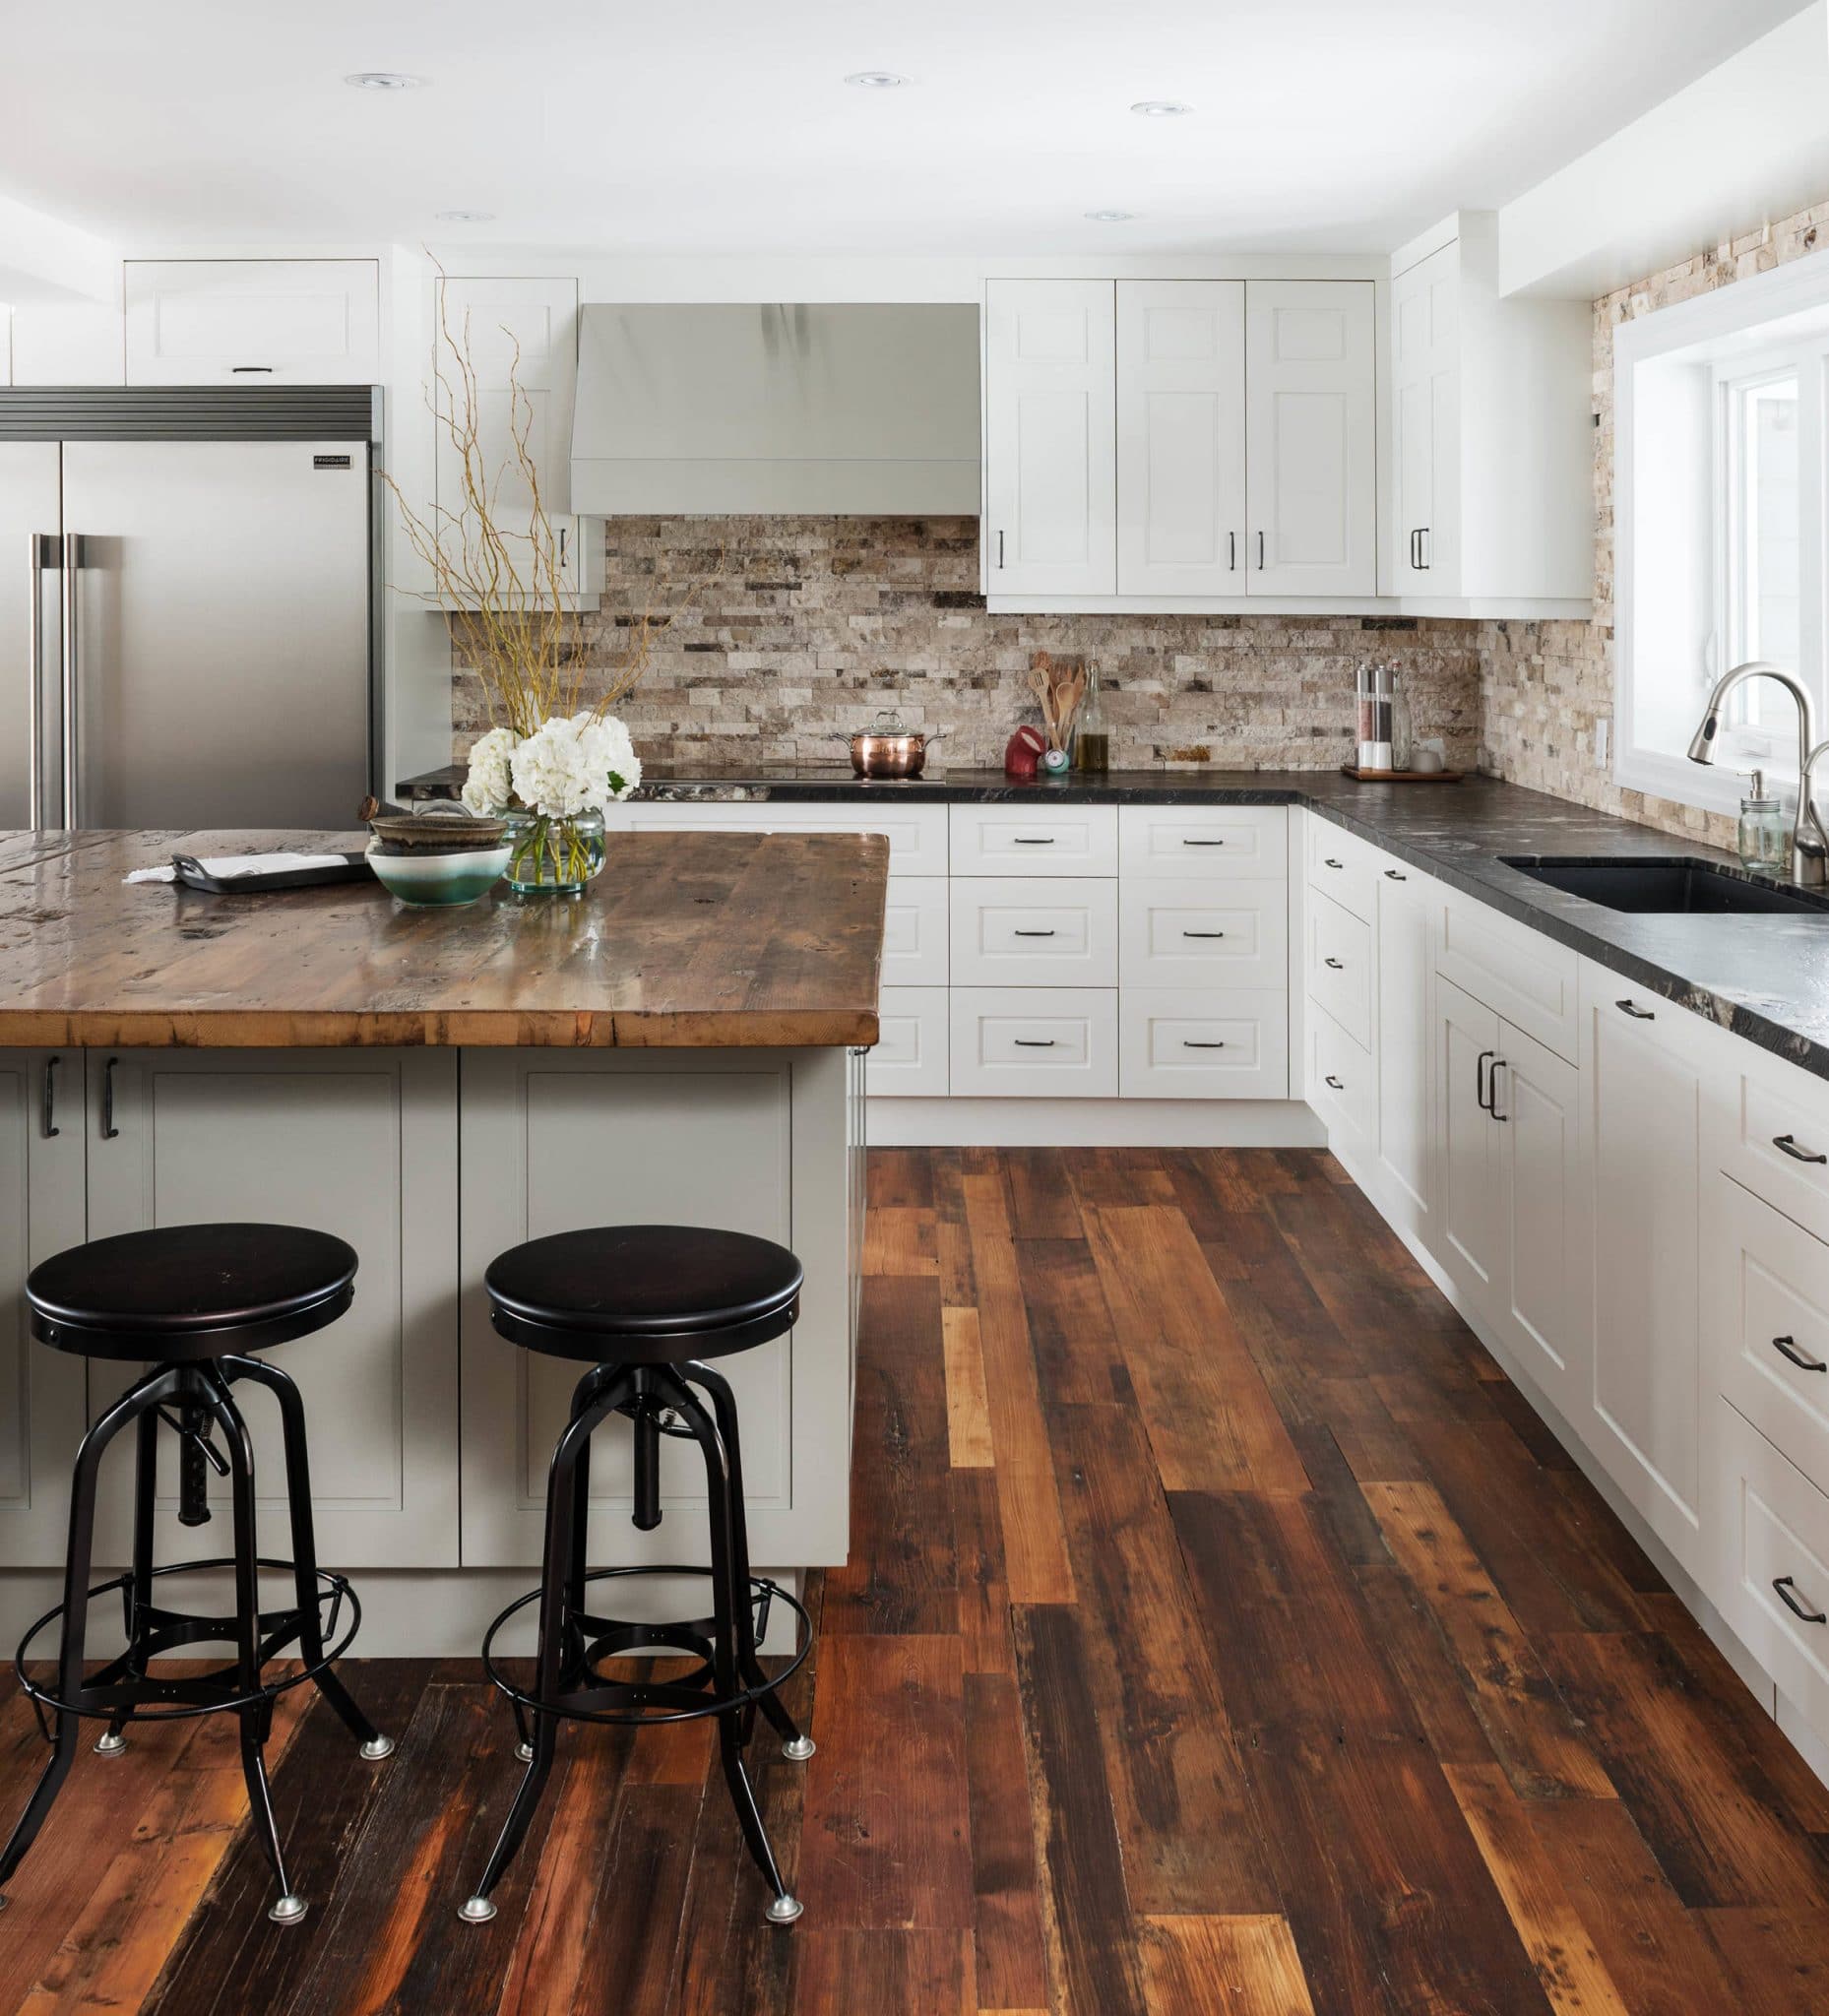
784 1909
2 1900
475 1911
524 1752
109 1744
375 1751
798 1749
289 1910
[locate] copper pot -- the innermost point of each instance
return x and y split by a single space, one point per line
889 749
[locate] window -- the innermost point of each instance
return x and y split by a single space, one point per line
1722 465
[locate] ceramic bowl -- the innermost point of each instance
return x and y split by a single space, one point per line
439 881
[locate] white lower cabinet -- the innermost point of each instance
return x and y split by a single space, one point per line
359 1143
1033 932
1404 1011
1536 1104
1472 1232
1642 1091
1034 1043
915 931
1182 933
1199 1042
909 1056
42 1211
1342 1082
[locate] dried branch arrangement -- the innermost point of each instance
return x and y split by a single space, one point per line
502 586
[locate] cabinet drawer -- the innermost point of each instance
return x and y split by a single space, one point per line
1202 1043
1338 965
1767 1126
916 834
914 953
1341 865
1029 932
1184 933
1036 1043
1341 1085
1523 976
910 1057
1765 1290
1771 1542
1012 840
1202 842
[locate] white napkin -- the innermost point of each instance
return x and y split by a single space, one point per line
225 867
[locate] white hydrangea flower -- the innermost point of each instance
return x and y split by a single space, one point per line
574 765
488 787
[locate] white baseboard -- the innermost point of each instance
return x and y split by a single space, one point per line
1093 1124
1753 1675
406 1612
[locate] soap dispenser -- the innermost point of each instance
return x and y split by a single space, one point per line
1765 845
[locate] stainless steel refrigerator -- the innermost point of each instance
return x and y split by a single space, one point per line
187 607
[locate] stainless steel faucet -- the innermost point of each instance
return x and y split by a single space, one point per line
1809 845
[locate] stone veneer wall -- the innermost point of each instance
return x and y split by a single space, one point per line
1544 685
790 631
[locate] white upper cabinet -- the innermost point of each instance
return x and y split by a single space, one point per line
253 320
522 331
1425 423
1311 435
1491 482
1050 525
1180 437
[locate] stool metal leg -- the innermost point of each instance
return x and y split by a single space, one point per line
112 1742
256 1719
555 1582
731 1599
77 1563
796 1745
285 1389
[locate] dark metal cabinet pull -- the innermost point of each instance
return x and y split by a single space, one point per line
1335 1082
1023 839
1034 1043
244 370
1785 1584
1423 549
1492 1089
1395 876
1000 547
1232 552
108 1130
52 1130
1335 964
1479 1079
1637 1014
1787 1348
1186 840
1188 1044
1260 552
1019 933
1787 1144
1202 934
1328 861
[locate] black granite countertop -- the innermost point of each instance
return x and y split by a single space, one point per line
1763 978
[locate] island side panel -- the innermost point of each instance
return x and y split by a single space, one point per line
753 1141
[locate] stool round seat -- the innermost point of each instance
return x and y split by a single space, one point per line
184 1293
644 1293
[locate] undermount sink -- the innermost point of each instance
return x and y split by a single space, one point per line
1670 885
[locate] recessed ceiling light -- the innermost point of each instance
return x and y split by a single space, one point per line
466 217
1110 217
875 80
1161 109
382 80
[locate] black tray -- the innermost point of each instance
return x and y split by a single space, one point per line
190 872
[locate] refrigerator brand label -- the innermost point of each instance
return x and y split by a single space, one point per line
330 461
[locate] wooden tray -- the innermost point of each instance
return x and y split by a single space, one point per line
1360 776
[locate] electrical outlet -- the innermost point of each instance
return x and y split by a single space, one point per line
1601 738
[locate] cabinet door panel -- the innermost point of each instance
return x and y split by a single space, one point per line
1050 413
253 321
1425 422
1472 1228
1180 437
1311 438
361 1144
1537 1102
1404 1021
41 1212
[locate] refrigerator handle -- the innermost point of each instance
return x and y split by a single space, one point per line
73 561
34 674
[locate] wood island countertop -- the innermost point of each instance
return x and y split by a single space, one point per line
686 940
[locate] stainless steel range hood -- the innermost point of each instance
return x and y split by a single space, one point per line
842 408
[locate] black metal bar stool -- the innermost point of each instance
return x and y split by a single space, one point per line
189 1300
645 1305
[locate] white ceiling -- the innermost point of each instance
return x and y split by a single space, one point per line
1324 125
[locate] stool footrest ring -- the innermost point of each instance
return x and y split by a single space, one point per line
589 1696
117 1693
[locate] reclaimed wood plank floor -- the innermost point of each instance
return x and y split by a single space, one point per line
1222 1635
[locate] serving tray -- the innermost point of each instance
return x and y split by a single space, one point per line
1360 776
191 872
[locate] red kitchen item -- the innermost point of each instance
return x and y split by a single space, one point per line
1022 756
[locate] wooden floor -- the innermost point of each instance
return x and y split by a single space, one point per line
1223 1633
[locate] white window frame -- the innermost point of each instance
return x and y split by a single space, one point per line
1792 303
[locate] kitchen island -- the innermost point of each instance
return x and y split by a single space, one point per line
682 1043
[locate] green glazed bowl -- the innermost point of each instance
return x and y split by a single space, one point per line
439 881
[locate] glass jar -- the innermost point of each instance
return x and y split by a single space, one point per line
1092 747
1765 845
554 856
